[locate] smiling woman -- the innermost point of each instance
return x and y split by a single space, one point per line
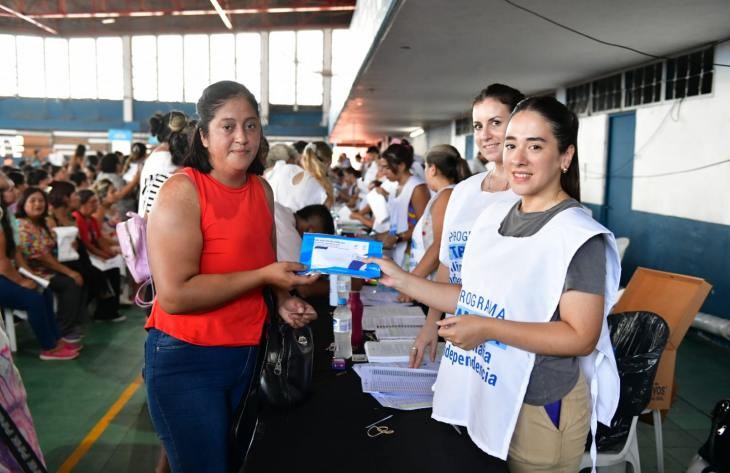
208 315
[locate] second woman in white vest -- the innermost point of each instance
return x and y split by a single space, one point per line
530 335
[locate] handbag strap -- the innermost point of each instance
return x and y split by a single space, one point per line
18 445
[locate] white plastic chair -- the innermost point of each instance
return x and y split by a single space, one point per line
622 243
8 318
628 454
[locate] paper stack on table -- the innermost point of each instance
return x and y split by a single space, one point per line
392 316
397 333
397 386
390 351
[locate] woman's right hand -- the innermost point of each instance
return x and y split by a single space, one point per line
427 337
282 275
392 275
76 277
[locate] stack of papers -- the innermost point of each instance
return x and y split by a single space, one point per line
397 386
397 333
391 316
390 351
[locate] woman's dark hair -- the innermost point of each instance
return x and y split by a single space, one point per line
20 209
449 162
85 195
78 177
372 149
138 151
352 171
213 98
502 93
180 143
80 151
60 191
36 176
92 160
164 125
318 215
17 178
8 232
397 154
564 125
109 163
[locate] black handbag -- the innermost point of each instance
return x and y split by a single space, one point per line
286 375
282 377
716 450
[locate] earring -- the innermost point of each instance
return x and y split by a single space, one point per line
564 170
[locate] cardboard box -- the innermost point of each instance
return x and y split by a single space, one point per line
677 299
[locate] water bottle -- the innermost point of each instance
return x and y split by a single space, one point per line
342 327
334 300
343 289
356 309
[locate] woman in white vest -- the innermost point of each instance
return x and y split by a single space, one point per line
444 169
491 109
531 367
407 203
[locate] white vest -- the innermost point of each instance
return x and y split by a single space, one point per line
422 237
398 210
519 279
467 201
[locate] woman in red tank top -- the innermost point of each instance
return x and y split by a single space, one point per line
212 247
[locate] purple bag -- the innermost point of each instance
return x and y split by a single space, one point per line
132 235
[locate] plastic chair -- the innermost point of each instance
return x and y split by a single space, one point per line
638 341
622 243
8 318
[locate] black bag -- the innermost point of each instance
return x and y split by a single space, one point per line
716 450
282 377
286 376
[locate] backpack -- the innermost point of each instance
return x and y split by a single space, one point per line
716 450
132 235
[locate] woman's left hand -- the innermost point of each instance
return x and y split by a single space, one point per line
296 312
463 331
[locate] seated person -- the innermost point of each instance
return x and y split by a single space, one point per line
101 247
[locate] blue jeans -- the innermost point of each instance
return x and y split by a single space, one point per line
39 307
193 392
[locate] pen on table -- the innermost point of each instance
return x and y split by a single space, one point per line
378 421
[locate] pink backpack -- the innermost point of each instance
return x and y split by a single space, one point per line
132 235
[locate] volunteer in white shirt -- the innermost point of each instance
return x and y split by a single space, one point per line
407 203
522 278
444 168
491 109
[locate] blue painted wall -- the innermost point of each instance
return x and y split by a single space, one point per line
681 246
101 115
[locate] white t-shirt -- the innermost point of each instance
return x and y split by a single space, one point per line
157 169
296 196
288 241
466 203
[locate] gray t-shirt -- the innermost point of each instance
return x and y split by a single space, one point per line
554 376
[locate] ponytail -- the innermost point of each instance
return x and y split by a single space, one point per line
315 166
449 163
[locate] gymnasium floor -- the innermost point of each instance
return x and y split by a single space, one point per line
91 415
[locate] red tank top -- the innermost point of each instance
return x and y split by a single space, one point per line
236 225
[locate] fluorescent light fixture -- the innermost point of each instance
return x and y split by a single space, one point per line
28 19
222 14
108 21
417 132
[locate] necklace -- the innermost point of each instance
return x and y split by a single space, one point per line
489 184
